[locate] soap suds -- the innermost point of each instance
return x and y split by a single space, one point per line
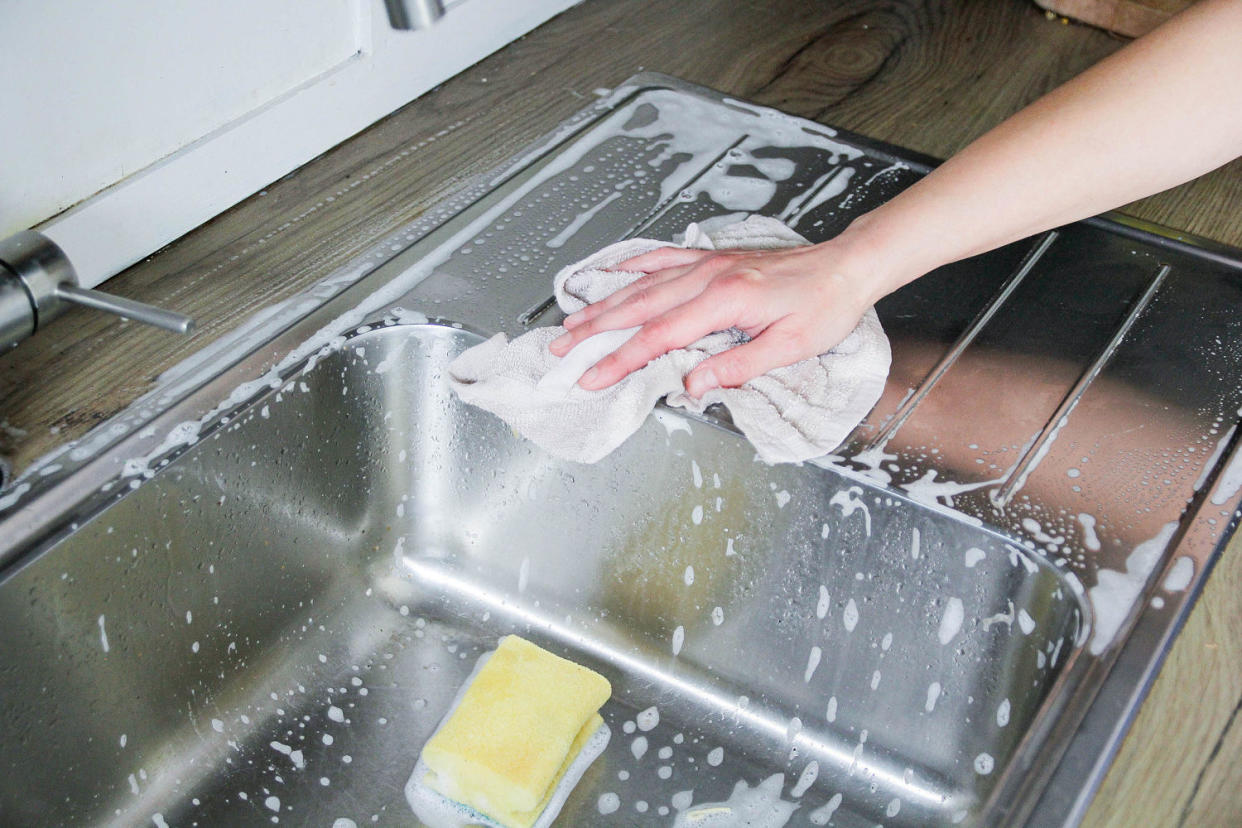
951 621
811 663
1116 592
1089 538
1026 622
850 616
822 814
850 500
805 780
758 807
1180 573
984 763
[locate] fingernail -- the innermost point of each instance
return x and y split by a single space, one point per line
559 343
703 381
589 377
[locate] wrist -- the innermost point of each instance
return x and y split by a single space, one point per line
875 263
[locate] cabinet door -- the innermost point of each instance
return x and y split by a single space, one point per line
133 121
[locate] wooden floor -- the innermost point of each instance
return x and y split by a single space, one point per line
930 76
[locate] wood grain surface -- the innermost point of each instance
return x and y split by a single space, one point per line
930 76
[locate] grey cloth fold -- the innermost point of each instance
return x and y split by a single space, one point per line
790 414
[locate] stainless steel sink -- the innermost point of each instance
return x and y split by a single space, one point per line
359 531
254 598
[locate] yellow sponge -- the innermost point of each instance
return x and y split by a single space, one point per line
517 727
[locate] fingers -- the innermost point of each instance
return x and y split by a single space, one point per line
675 329
662 265
635 308
779 345
663 258
641 285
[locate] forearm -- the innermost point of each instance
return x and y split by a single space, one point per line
1161 111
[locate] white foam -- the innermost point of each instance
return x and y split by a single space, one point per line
1230 481
1116 592
812 662
580 221
850 616
973 556
647 720
933 693
821 608
984 764
758 807
805 780
951 621
850 500
822 814
1026 622
1089 538
1180 573
672 422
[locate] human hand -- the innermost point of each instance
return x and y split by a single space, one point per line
794 303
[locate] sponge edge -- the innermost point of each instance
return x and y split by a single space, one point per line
523 718
436 810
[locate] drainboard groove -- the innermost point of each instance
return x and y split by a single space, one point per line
968 336
1048 434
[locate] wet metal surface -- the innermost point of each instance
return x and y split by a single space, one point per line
258 606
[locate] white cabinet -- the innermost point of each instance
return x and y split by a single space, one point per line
131 122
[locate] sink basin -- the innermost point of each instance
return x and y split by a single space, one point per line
273 625
252 596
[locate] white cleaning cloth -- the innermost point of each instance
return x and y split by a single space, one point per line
790 414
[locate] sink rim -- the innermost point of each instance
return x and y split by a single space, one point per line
52 505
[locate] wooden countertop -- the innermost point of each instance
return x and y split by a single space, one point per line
930 76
